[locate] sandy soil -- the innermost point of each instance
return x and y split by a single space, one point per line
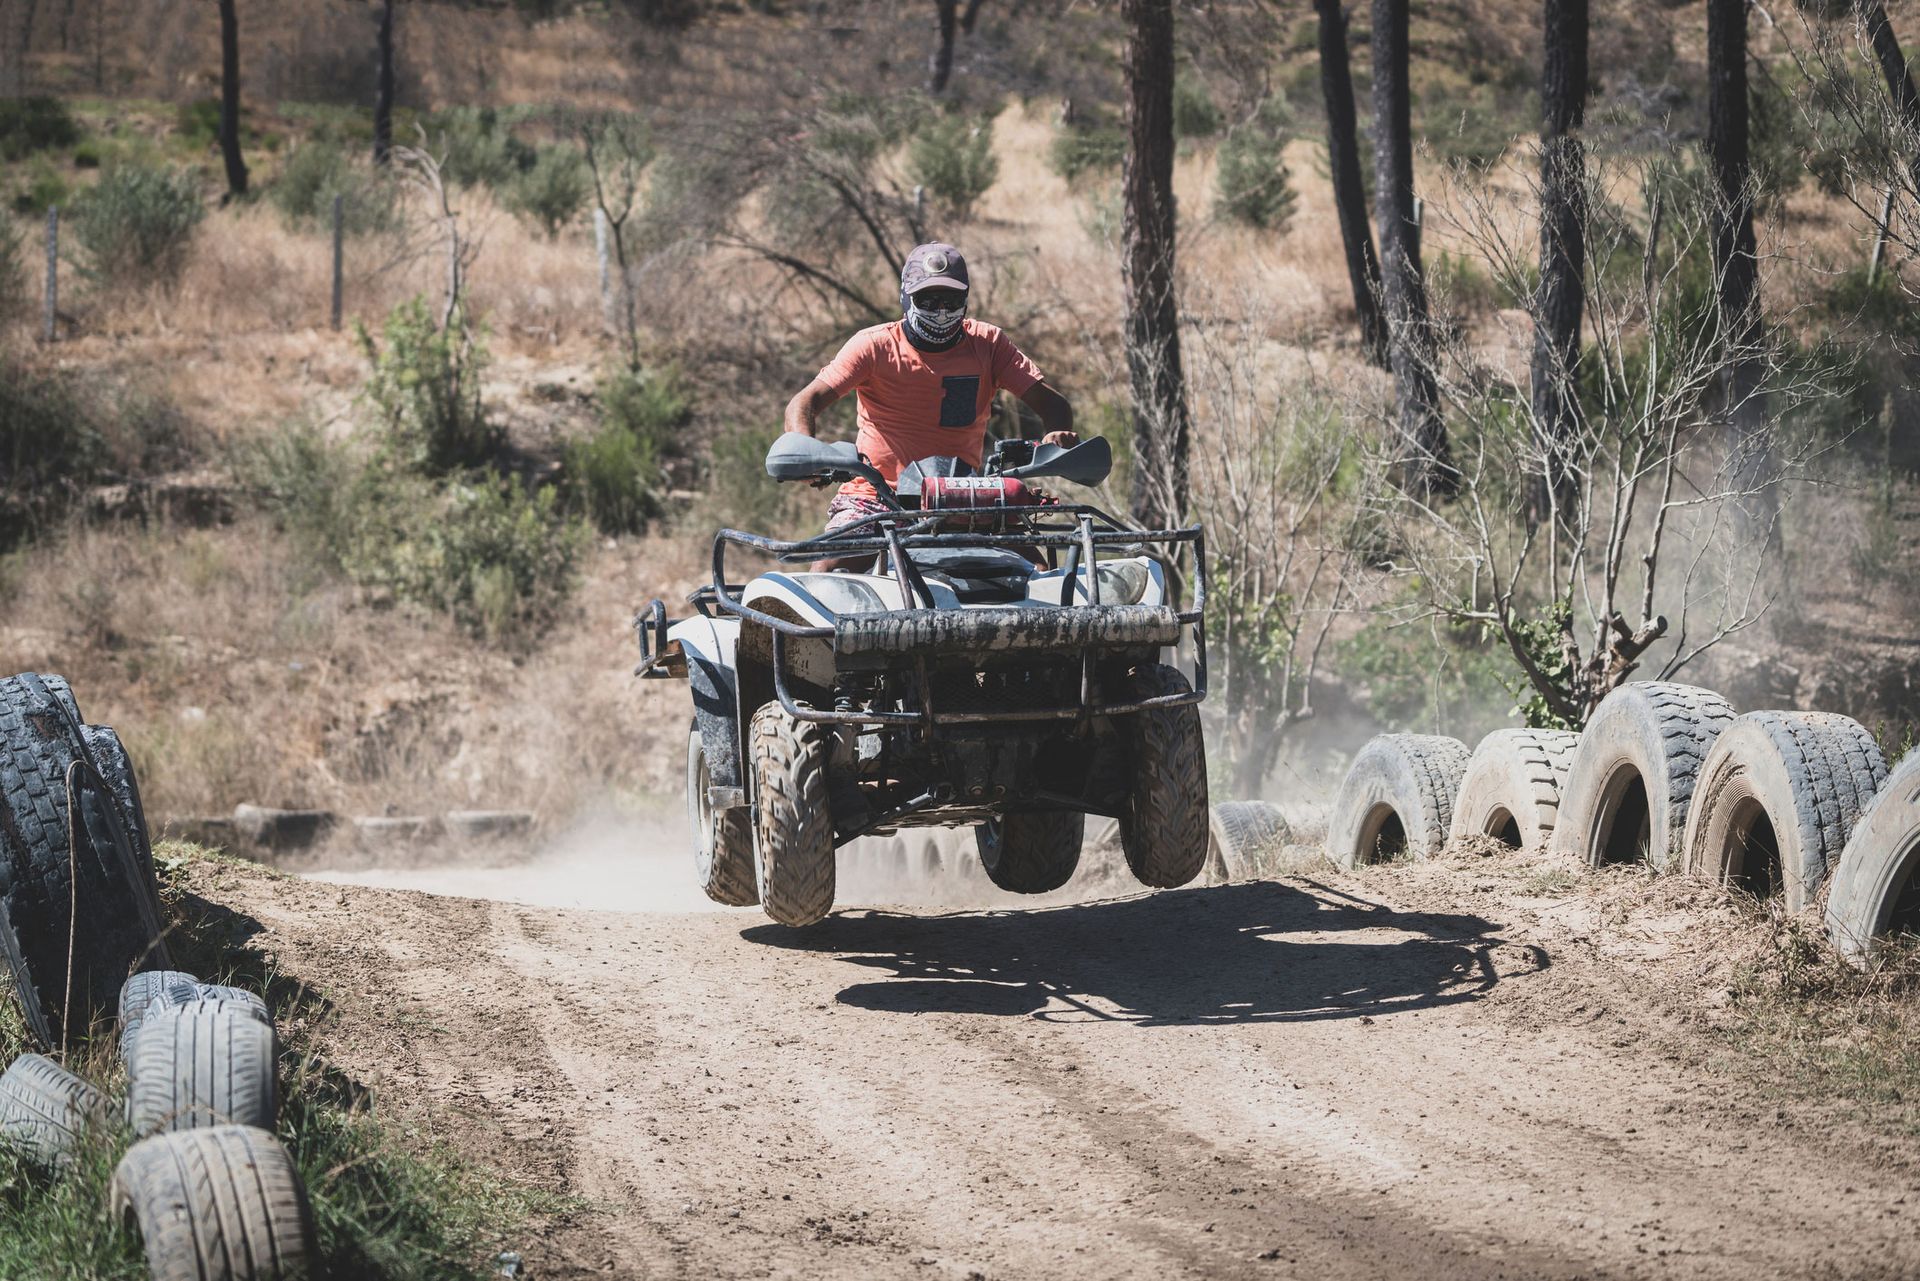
1316 1077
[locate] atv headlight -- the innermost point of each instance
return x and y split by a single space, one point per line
1122 582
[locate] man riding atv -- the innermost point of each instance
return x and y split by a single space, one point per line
926 384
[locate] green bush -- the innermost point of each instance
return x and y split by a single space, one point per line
425 390
28 125
50 443
953 158
476 146
1252 184
136 224
614 476
319 171
1194 115
88 154
198 122
554 190
45 188
1091 148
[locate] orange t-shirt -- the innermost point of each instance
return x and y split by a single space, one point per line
925 404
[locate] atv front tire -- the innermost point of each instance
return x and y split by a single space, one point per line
722 841
1163 822
795 821
1031 853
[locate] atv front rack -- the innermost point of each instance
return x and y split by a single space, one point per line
922 632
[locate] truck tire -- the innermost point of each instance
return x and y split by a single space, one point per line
1163 819
1031 853
1630 783
1511 790
205 1063
1875 889
1397 799
144 991
795 823
722 840
46 1111
1243 833
1777 797
41 748
220 1204
116 770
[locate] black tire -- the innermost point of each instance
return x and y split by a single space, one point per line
1397 799
220 1204
1163 819
46 1111
146 990
116 770
1511 790
41 746
1777 798
1875 890
1630 784
795 822
1031 853
1244 834
205 1063
723 841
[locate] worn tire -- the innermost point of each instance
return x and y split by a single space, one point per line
722 842
40 745
795 871
1874 890
219 1204
1512 786
205 1063
146 990
1397 799
1786 787
1163 819
46 1111
116 770
1655 734
1241 834
1031 853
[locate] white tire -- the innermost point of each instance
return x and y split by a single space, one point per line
1512 786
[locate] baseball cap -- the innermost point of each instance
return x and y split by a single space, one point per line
933 266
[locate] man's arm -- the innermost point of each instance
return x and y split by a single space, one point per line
1056 415
804 410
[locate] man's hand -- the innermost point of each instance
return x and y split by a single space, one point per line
1056 415
1064 439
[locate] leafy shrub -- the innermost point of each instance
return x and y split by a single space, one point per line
28 125
45 188
477 146
1194 115
425 389
198 122
50 443
1252 184
1082 149
88 154
319 171
615 475
554 190
953 158
136 224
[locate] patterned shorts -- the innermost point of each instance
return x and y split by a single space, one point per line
845 509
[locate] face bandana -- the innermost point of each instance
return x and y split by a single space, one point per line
935 328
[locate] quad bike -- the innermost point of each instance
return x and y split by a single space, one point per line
984 666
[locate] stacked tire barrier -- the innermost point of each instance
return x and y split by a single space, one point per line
207 1186
1793 804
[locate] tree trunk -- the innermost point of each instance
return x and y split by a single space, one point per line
1349 191
1147 230
1893 68
1426 464
1735 257
383 87
230 100
969 15
943 52
1563 256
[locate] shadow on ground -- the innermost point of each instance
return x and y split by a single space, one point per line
1259 952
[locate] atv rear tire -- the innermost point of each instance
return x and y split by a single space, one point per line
723 840
1031 853
1163 821
795 866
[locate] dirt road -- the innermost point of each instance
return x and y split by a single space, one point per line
1274 1079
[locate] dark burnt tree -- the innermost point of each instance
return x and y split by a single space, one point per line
1735 258
1160 423
230 100
1893 68
1425 462
969 16
1349 189
1563 255
383 85
942 66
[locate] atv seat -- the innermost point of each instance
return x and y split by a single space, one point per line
977 573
